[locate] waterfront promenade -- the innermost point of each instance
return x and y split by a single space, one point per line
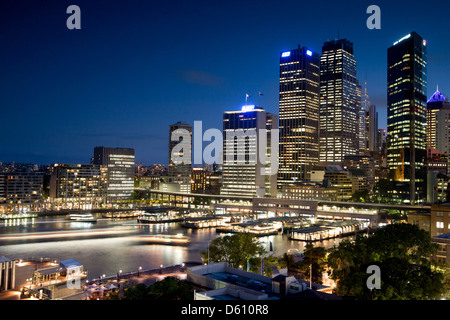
122 280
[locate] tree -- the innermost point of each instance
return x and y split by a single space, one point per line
169 288
236 249
361 196
137 292
172 289
314 258
286 261
401 251
382 190
446 281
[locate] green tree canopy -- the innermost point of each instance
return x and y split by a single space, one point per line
172 289
137 292
314 258
401 251
169 288
236 249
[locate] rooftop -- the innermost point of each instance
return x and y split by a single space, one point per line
70 263
437 97
4 259
443 236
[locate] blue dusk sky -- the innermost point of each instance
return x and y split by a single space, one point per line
135 67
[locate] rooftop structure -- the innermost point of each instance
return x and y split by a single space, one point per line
227 283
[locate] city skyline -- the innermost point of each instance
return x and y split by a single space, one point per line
105 85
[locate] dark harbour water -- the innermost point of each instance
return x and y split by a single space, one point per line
108 255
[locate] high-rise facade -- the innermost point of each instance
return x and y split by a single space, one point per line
120 163
298 115
248 168
438 123
372 129
435 105
407 103
180 147
339 102
80 185
362 116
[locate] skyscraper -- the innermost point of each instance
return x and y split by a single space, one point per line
407 103
180 171
339 103
244 172
438 123
120 164
372 128
435 105
298 115
362 115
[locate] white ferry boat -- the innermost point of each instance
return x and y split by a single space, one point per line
15 216
82 217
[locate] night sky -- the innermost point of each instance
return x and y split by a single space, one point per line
136 67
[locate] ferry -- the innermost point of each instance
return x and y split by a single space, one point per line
82 217
14 216
257 228
159 217
203 222
167 239
122 215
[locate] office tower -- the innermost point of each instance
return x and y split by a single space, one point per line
120 164
82 186
407 102
338 102
298 115
372 128
437 106
438 123
180 147
381 141
247 157
363 98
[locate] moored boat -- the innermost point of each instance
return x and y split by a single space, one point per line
82 217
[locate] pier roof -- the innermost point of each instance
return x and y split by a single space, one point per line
70 263
4 259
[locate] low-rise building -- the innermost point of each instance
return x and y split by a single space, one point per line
440 219
309 191
443 255
150 182
227 283
7 273
422 220
341 180
179 187
45 279
199 180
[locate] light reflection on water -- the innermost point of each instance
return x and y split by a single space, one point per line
109 255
